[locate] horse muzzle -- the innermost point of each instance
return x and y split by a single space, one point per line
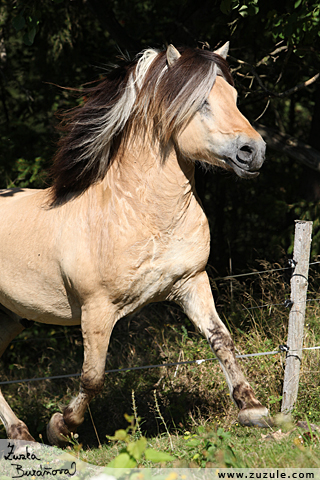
246 158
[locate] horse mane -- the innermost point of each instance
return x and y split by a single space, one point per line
141 93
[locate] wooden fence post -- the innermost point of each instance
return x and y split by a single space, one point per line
299 287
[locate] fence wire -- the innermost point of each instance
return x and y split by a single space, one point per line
160 365
260 272
287 303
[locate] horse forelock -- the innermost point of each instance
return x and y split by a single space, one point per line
170 96
145 93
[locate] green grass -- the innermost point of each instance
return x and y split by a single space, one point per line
237 447
186 406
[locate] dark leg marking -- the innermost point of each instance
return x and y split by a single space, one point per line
219 339
243 396
19 432
91 387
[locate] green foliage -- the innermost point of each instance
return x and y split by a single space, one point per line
46 43
28 17
206 443
299 24
135 452
274 399
27 173
248 7
49 43
29 23
294 22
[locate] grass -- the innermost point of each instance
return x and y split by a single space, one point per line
239 447
187 407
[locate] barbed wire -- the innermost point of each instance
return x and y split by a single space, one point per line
247 274
282 348
286 303
260 272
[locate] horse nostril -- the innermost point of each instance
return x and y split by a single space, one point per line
245 154
246 148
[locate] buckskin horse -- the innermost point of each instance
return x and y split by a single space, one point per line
122 226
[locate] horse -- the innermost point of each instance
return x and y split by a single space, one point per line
121 225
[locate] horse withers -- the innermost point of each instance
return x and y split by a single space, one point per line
122 225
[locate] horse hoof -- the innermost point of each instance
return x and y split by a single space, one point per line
255 417
57 431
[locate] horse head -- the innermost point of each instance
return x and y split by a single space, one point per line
218 133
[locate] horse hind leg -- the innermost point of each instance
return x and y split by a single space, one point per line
10 326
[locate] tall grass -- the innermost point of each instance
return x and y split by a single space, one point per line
189 397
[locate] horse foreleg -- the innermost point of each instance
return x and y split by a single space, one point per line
15 428
195 297
96 331
10 327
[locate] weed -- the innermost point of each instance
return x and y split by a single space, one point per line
161 417
135 452
135 413
206 445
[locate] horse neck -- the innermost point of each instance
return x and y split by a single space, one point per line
158 190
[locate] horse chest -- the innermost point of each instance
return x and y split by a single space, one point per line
155 264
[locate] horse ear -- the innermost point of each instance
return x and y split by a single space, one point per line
223 51
172 55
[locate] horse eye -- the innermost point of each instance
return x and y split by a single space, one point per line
205 108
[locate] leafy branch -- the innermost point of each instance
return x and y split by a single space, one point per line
273 93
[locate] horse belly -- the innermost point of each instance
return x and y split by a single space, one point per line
35 290
33 297
30 280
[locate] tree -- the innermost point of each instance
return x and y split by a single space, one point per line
274 58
